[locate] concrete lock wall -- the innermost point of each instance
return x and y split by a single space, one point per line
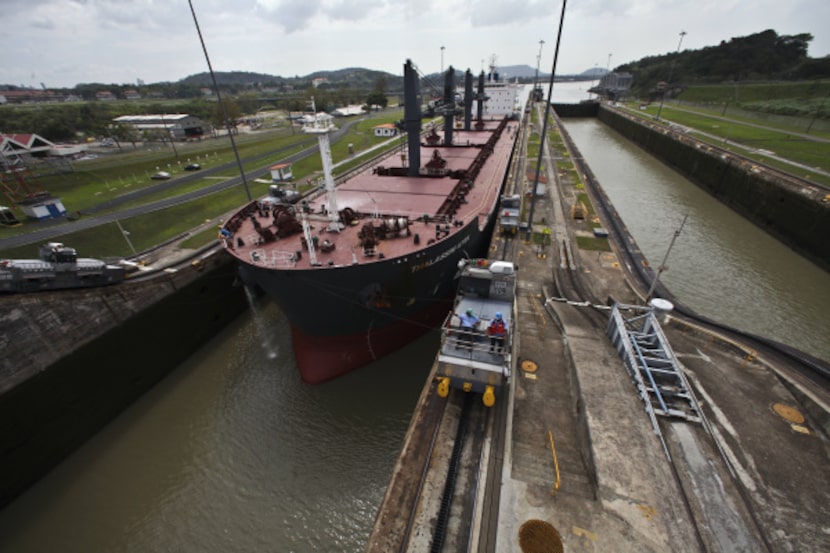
788 208
78 358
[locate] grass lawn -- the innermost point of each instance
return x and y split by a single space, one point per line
758 138
97 182
592 243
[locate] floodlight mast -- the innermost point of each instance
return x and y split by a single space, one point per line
671 70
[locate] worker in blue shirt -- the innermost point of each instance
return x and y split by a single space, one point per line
469 322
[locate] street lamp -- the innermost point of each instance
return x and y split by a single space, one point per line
671 69
442 60
536 76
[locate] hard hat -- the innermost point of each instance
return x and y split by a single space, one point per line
469 312
498 315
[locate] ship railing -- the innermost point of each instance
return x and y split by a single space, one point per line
281 258
475 340
278 258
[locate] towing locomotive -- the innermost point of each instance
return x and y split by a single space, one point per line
58 267
510 208
477 336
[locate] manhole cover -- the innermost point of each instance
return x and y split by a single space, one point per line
789 414
529 366
537 536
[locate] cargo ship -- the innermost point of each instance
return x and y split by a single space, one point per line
364 267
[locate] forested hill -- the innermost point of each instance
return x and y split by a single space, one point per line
762 56
231 78
353 77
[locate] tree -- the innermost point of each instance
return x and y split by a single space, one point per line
119 133
248 102
232 111
377 99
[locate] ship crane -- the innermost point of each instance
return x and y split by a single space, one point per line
321 125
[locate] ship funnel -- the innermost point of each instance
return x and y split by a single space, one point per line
412 117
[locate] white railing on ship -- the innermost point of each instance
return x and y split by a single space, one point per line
277 259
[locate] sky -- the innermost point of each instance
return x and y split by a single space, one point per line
61 43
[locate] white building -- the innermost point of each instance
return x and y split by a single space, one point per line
179 126
387 129
281 172
43 206
348 111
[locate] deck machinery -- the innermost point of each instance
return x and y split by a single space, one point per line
471 359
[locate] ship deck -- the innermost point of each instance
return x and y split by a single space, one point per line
374 196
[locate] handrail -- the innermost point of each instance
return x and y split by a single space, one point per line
472 339
558 481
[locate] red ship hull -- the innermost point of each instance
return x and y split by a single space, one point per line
323 358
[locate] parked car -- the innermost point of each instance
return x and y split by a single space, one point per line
161 175
192 167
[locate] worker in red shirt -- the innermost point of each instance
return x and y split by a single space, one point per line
497 332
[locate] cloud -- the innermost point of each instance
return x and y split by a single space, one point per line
298 15
63 42
496 13
293 15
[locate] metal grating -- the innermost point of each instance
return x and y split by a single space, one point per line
652 364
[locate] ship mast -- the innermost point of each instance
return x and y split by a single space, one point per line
321 125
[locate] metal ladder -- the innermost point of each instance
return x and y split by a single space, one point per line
651 363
